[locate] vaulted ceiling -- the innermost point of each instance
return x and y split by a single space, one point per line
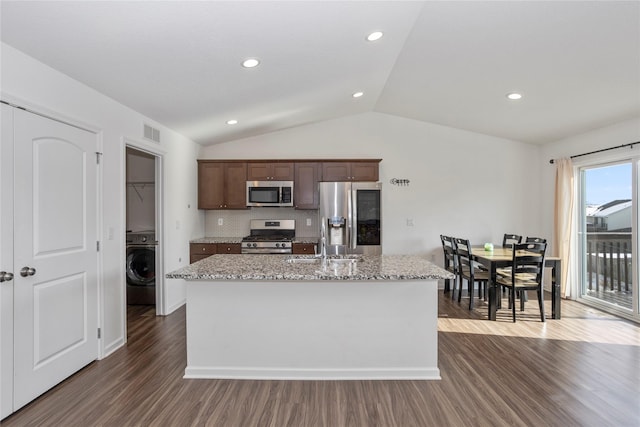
576 63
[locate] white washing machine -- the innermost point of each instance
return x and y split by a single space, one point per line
141 268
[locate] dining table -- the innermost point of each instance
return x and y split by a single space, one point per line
500 257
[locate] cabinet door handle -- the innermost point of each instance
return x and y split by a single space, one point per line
5 277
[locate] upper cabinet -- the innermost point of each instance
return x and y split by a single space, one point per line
305 189
366 170
270 171
222 185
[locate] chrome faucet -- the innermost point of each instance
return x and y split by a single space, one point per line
323 239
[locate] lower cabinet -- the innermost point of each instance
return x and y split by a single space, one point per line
229 248
198 251
303 248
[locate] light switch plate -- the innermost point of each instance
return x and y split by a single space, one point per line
220 221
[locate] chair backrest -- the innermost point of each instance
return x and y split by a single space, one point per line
535 240
449 251
463 251
528 258
510 239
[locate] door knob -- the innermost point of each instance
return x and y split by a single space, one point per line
5 277
27 271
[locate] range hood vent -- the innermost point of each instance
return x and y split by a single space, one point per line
151 133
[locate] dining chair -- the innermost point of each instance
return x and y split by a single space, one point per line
526 273
467 270
509 239
535 240
529 240
450 261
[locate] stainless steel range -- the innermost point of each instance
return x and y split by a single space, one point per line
269 236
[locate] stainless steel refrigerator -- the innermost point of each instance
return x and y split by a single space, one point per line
350 217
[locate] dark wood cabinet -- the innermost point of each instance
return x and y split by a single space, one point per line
236 186
350 171
305 189
198 251
222 185
229 248
270 171
303 248
364 171
210 185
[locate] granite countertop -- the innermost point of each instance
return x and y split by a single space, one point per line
276 267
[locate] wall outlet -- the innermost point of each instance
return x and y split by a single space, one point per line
220 221
308 222
409 222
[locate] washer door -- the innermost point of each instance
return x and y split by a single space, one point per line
141 266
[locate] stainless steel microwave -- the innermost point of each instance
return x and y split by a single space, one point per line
269 193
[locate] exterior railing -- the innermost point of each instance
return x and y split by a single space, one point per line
609 261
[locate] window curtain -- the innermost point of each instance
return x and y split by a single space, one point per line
563 221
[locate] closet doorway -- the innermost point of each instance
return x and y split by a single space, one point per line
143 213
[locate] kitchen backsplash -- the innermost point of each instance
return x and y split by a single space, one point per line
235 223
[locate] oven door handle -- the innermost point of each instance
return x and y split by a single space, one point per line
265 251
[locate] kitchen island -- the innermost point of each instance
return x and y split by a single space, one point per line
288 317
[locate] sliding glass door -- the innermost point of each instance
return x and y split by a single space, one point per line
607 228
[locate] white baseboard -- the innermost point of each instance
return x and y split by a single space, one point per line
203 372
108 349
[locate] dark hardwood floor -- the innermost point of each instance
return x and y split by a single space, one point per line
583 370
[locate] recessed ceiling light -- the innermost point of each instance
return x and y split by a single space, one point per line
250 63
357 94
232 122
376 35
514 95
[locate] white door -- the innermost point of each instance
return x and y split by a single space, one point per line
6 261
55 253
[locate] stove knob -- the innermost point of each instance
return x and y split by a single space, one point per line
277 245
255 244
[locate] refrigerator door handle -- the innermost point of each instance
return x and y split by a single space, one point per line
353 218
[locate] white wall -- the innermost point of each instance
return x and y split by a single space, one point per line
35 84
461 183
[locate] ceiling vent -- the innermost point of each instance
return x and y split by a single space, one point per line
151 133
